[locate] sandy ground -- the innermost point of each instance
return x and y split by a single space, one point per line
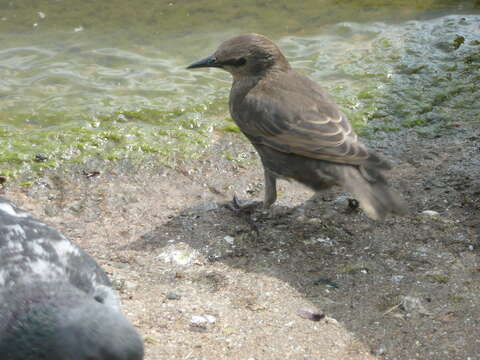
200 283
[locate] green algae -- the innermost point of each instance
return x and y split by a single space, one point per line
170 135
230 128
430 82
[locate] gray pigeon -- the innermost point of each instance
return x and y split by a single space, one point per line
297 129
56 303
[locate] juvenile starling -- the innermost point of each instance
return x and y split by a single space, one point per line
56 302
296 128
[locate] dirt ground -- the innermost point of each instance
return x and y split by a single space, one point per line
200 283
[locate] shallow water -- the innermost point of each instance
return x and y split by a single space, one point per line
108 79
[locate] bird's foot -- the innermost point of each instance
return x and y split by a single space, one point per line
245 208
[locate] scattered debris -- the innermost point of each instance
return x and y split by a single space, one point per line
310 314
397 278
90 174
327 282
412 304
380 350
200 323
180 257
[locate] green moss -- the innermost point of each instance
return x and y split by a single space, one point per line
457 299
177 131
384 128
231 128
439 278
409 123
352 268
108 135
459 40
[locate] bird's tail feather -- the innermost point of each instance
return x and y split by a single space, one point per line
371 190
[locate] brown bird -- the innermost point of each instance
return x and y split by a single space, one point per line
296 128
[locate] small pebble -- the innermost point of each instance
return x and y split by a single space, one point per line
397 277
430 213
40 157
412 304
198 323
310 314
173 296
229 239
122 117
197 320
341 199
381 350
210 318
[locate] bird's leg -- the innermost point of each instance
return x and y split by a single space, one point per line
269 199
270 189
247 208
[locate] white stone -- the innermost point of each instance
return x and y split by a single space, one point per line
229 239
210 318
198 320
430 213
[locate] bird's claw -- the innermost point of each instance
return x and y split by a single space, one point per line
243 206
246 208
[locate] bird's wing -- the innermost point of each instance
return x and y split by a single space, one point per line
298 117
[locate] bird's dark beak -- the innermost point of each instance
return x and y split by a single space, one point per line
210 61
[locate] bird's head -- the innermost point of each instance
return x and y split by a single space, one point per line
246 55
62 322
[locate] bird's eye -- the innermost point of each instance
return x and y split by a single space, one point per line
240 61
234 62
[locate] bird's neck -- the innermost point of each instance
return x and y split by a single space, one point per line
241 86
